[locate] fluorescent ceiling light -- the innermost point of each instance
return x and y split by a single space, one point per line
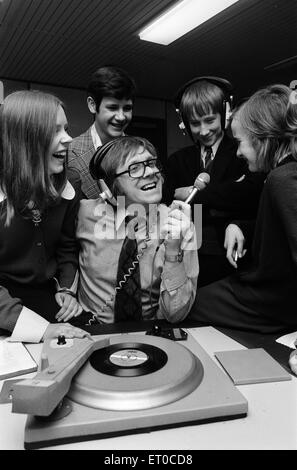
182 18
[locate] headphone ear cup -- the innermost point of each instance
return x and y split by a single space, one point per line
95 166
98 174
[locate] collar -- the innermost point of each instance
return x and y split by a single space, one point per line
214 147
2 197
68 192
95 137
288 157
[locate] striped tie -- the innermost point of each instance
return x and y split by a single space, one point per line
128 298
208 155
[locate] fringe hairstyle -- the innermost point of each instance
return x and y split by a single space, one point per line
123 148
110 81
200 99
28 125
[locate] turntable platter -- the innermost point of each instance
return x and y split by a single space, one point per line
153 377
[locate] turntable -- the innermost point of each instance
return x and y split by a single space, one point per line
122 384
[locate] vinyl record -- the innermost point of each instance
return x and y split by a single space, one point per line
136 372
128 359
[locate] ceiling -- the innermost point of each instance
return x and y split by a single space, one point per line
61 42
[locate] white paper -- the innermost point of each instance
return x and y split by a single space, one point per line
288 340
15 360
29 328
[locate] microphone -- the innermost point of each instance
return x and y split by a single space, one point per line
200 183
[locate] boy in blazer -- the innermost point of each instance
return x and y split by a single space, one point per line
110 96
204 106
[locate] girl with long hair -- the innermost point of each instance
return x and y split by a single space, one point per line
38 207
262 297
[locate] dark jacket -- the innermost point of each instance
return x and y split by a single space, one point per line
224 198
269 287
32 254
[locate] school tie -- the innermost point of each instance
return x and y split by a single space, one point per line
207 159
128 299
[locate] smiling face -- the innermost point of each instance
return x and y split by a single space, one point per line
245 147
144 190
206 129
112 118
59 145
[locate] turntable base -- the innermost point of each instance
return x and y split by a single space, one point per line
188 389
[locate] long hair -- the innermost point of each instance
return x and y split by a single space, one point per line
264 116
291 130
28 125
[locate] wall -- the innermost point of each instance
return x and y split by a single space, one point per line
80 119
78 115
175 138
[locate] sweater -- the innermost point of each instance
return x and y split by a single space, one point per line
270 285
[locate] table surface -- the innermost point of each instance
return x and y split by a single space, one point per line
271 423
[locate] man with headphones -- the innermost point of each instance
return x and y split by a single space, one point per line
110 96
138 258
204 107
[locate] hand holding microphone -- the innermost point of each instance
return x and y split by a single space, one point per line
200 183
178 223
182 194
176 226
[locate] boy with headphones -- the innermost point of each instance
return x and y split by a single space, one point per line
110 96
204 106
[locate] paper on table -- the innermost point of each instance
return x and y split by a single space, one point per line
15 360
251 366
288 340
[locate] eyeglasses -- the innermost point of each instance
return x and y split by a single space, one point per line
137 170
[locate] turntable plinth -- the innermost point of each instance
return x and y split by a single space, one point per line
40 395
187 389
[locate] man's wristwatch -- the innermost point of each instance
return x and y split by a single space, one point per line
175 258
66 291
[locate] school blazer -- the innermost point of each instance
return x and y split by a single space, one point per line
81 150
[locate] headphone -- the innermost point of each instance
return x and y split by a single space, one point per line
221 83
98 174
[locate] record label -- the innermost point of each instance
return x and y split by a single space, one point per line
128 357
